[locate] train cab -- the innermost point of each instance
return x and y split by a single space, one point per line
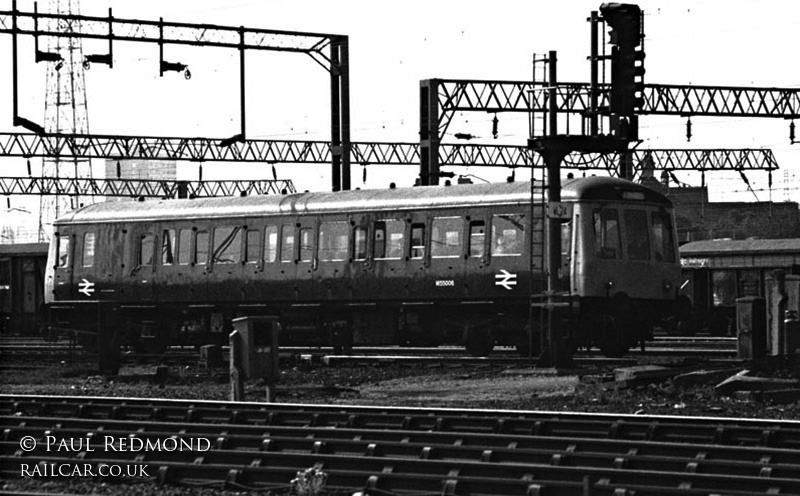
624 260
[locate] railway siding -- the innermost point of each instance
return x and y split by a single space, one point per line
408 450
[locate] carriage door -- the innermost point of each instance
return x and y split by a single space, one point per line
447 261
84 269
62 285
141 275
478 277
297 260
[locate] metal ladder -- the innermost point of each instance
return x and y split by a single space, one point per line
538 207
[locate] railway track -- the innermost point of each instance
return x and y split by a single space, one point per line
59 351
408 450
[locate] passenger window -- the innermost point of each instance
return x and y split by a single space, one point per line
168 247
146 248
663 242
388 242
477 238
360 243
636 234
270 244
606 234
227 244
63 251
507 235
88 249
201 248
306 244
185 247
446 237
333 241
417 240
287 243
252 245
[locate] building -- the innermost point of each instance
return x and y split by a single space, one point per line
698 219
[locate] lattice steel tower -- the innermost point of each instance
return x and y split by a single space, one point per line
65 110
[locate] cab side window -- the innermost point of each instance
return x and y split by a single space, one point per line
636 235
607 243
663 241
63 251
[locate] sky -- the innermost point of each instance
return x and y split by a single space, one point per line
394 45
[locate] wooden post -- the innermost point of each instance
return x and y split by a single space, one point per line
108 356
272 369
237 377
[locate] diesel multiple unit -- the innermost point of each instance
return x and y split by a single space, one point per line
462 264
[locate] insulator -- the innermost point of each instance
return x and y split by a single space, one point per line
688 129
274 173
791 132
29 167
119 170
769 179
744 178
201 173
494 126
364 176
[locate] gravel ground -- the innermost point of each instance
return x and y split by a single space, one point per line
514 388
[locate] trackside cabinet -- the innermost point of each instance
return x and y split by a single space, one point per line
259 346
751 327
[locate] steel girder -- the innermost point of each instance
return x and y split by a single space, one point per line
175 33
319 152
135 188
111 29
663 99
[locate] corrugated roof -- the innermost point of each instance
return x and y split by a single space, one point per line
740 246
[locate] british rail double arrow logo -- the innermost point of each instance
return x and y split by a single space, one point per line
86 287
505 279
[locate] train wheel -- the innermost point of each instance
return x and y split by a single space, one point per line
613 343
479 342
341 337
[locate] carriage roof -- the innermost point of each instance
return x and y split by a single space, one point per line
399 199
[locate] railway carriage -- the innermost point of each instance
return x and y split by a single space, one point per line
22 268
460 264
